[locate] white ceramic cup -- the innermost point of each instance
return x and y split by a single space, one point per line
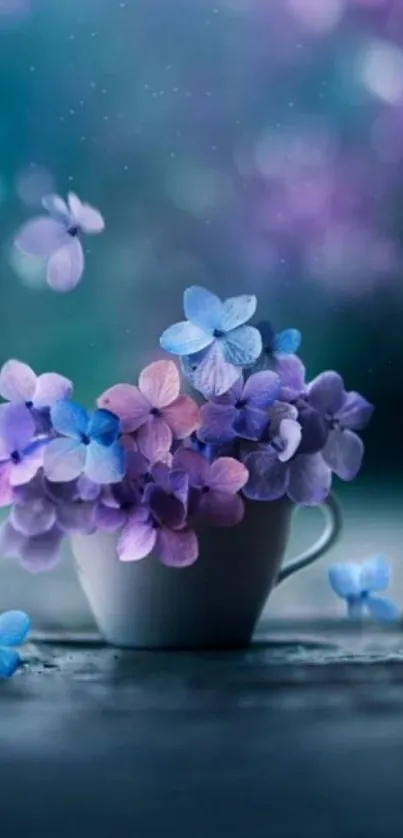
216 602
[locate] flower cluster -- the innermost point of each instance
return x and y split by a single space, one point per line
149 462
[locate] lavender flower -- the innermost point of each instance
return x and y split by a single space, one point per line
215 486
241 412
21 455
56 238
18 383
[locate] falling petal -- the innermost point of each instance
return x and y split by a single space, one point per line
345 579
9 662
17 381
375 574
69 419
344 452
85 216
160 383
137 538
238 310
14 627
203 308
242 346
50 388
326 393
105 464
41 237
177 549
185 339
65 267
383 610
310 480
64 460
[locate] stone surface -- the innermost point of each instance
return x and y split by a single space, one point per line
298 735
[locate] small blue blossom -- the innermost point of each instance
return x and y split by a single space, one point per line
275 345
88 444
14 627
216 335
356 584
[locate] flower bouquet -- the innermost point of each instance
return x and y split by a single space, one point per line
200 491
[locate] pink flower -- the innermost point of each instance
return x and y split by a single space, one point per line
155 409
215 486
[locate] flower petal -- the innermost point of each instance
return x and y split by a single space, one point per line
64 460
76 516
238 310
287 342
375 574
85 216
14 627
220 508
11 541
203 308
291 372
195 465
315 430
290 436
6 491
50 388
177 549
27 468
242 346
160 383
87 489
126 401
66 265
326 393
69 419
250 423
344 452
345 579
185 339
33 518
268 477
41 237
383 610
166 509
279 411
57 208
9 662
104 463
261 389
228 475
182 416
310 479
41 553
103 427
154 439
137 538
17 427
17 381
217 423
109 519
214 375
355 413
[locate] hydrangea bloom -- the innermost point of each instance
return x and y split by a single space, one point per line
275 345
217 330
14 627
55 237
357 584
149 465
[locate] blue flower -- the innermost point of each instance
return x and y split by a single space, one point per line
216 336
88 445
14 626
277 344
356 584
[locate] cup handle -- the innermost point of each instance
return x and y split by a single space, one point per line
333 526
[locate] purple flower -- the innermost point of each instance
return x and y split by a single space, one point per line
18 383
40 505
21 455
56 238
215 486
36 553
89 445
343 413
216 337
241 412
291 373
277 469
119 500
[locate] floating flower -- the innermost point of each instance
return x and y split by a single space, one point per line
357 583
88 445
344 413
14 627
56 238
241 412
21 455
217 330
215 486
155 409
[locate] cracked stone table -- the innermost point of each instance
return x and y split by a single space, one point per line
298 735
